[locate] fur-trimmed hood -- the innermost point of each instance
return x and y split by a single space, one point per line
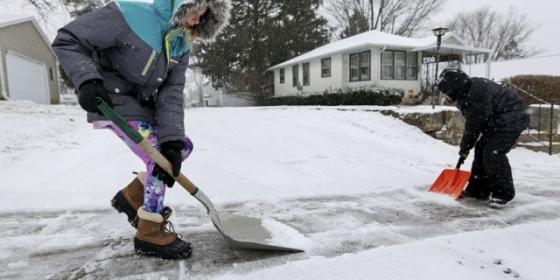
211 23
154 21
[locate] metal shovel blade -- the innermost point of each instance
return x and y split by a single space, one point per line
451 182
247 232
242 231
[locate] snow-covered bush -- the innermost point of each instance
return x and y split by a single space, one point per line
342 97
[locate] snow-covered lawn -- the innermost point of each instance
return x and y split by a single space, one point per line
351 182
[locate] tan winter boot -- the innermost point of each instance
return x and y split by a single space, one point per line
129 199
154 239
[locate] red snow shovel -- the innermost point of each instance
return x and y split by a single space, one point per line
240 231
451 181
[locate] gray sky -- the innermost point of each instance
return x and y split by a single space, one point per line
545 14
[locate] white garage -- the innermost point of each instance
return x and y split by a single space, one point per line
28 68
27 79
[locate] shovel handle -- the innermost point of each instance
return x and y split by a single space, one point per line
144 144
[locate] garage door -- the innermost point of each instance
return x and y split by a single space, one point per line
27 80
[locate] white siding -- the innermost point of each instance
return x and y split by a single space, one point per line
285 89
319 84
406 85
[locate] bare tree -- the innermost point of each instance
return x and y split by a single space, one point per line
43 7
76 8
506 34
392 16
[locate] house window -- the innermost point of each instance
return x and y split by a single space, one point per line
326 68
412 66
295 75
306 74
360 66
399 65
282 76
365 66
387 65
354 67
51 74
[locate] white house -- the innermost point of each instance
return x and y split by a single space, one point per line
370 59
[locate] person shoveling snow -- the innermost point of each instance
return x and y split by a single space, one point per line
133 55
495 117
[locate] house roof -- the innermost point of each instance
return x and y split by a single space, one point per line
376 38
8 20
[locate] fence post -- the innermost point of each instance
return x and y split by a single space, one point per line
551 133
539 126
539 123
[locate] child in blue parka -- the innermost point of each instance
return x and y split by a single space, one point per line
133 55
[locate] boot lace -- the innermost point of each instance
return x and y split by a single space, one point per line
168 227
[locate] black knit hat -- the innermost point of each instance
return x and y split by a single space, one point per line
454 83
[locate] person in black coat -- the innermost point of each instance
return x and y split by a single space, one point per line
495 117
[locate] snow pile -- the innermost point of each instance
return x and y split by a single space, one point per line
402 110
239 155
492 255
285 236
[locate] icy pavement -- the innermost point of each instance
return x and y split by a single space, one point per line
98 244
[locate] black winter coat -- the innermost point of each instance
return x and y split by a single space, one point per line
489 107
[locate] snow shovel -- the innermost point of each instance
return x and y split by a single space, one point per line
240 231
451 181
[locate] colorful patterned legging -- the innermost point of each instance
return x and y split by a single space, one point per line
154 189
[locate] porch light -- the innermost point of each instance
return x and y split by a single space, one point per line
438 32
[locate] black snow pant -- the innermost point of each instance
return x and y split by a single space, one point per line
491 172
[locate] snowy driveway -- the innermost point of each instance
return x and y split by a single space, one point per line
352 183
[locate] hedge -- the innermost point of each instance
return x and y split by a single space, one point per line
545 87
353 97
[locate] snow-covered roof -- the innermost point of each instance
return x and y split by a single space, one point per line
453 49
376 38
499 70
8 20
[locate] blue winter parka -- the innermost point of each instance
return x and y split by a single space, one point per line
138 54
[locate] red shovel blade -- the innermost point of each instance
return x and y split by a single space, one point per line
451 182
